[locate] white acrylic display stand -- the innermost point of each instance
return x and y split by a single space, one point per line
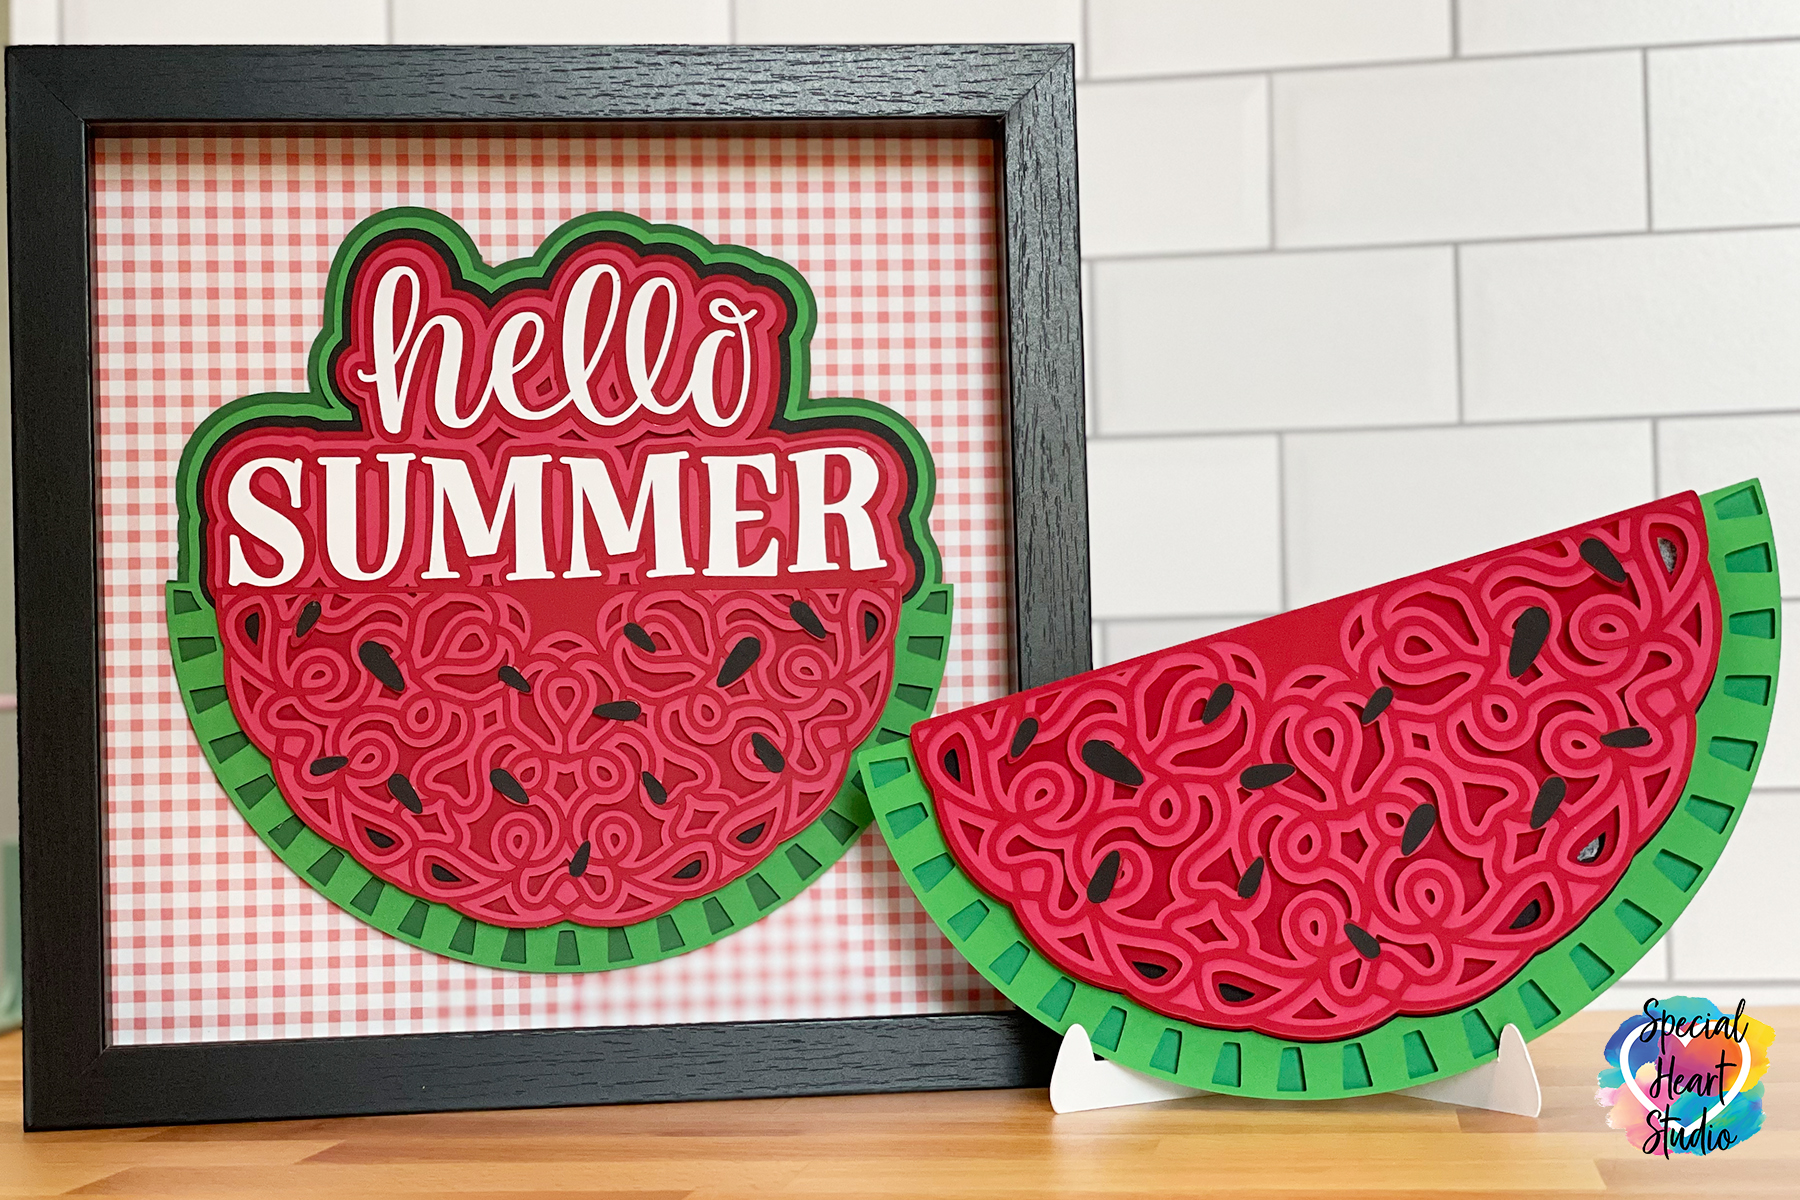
1082 1082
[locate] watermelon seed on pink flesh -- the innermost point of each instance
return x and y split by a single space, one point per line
1231 993
1264 775
378 839
871 626
952 766
507 786
325 766
1665 550
1101 885
1151 970
1549 799
689 871
1251 879
1595 553
1104 759
619 710
401 789
253 626
443 874
1419 824
1528 916
1530 632
638 636
653 787
766 753
1023 736
1377 704
1217 703
1629 738
380 664
1359 937
742 657
1591 851
309 616
509 675
578 864
806 618
749 836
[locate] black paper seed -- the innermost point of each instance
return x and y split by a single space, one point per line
689 871
309 616
507 786
638 636
1591 851
1379 699
619 710
1419 824
766 753
1101 885
749 836
1251 880
1151 970
1217 703
952 767
1231 993
1549 799
1264 775
401 789
1665 550
443 874
1530 632
325 766
742 657
1359 937
253 627
509 675
1595 553
1104 759
871 626
654 789
378 839
380 664
1628 738
578 864
1022 737
1528 916
807 619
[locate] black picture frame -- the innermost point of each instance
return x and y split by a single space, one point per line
1022 96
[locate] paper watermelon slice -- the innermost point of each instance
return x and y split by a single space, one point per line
541 632
1336 851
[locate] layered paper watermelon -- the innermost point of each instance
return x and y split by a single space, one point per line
542 630
1338 850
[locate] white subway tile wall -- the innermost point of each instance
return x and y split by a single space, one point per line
1504 319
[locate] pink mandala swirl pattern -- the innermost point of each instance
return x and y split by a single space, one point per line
660 805
1384 804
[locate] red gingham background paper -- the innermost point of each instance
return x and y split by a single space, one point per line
210 255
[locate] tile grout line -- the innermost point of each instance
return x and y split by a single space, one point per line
1086 50
388 17
1457 311
1592 235
1269 150
1649 177
731 22
1455 28
1442 426
1281 518
1656 457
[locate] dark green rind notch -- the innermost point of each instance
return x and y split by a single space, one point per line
244 771
1558 981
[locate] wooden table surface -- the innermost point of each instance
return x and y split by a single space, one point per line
938 1145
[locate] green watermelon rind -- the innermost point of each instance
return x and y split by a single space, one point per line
1732 728
921 644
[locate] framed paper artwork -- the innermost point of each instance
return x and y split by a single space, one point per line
475 508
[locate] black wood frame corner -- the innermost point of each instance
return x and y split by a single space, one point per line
57 99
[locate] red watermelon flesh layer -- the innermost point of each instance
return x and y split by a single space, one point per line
529 751
1382 804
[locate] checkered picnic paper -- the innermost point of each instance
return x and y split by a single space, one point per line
210 256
